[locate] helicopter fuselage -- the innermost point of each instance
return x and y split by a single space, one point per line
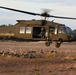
39 30
35 30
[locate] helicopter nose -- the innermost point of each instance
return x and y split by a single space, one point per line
75 36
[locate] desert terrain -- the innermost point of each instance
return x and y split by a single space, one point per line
34 58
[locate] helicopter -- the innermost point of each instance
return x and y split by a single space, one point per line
39 30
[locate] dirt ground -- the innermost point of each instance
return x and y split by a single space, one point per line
41 60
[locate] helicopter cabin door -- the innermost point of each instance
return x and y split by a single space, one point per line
39 32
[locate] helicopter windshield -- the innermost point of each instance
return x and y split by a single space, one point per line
69 30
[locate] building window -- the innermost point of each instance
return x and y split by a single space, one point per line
22 30
28 30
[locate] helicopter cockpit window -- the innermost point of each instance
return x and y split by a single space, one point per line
52 30
61 30
22 30
28 30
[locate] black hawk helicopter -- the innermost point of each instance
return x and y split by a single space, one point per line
39 30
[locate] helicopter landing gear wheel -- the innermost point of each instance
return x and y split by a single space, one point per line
58 45
47 43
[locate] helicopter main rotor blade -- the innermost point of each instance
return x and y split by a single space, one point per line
45 14
62 17
19 11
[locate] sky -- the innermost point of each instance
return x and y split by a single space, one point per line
57 7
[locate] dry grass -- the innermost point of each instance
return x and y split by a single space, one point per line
47 61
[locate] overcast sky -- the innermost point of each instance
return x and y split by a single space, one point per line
58 7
